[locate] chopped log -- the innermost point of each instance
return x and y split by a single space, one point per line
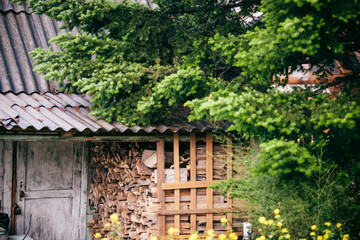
149 158
170 176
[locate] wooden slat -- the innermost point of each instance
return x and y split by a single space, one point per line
187 185
192 179
209 178
177 179
184 236
14 177
195 211
229 156
161 178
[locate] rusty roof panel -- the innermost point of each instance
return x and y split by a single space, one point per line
42 100
56 100
35 123
70 112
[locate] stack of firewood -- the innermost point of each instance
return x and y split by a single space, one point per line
120 184
124 182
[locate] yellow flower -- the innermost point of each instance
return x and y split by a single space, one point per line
153 238
327 231
172 231
266 222
222 236
193 236
284 230
279 224
276 211
338 225
209 238
233 236
346 237
312 234
223 220
326 236
114 217
328 224
270 222
262 220
313 227
287 236
210 232
302 239
262 238
277 216
319 238
97 235
104 239
107 225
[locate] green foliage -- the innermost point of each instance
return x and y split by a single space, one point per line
285 159
295 32
317 199
128 54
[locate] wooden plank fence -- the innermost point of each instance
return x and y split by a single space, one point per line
193 185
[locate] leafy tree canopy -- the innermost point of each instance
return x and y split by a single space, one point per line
219 59
137 61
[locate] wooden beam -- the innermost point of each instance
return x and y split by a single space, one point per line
209 178
184 236
193 179
194 211
177 179
160 148
229 156
14 182
187 185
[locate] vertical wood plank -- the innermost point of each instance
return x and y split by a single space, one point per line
14 189
21 159
77 171
229 156
209 177
7 179
193 179
83 190
2 172
177 179
160 149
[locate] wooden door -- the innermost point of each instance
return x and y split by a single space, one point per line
51 186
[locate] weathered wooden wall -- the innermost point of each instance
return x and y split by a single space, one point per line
6 151
50 184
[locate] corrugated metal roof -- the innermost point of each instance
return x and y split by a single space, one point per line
21 33
70 112
6 5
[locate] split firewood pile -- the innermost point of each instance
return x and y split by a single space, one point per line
124 182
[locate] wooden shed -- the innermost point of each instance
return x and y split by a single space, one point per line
70 171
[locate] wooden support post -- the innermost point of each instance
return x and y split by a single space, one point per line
209 177
14 182
192 179
160 148
229 156
177 179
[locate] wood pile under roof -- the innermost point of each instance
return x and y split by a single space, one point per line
125 181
